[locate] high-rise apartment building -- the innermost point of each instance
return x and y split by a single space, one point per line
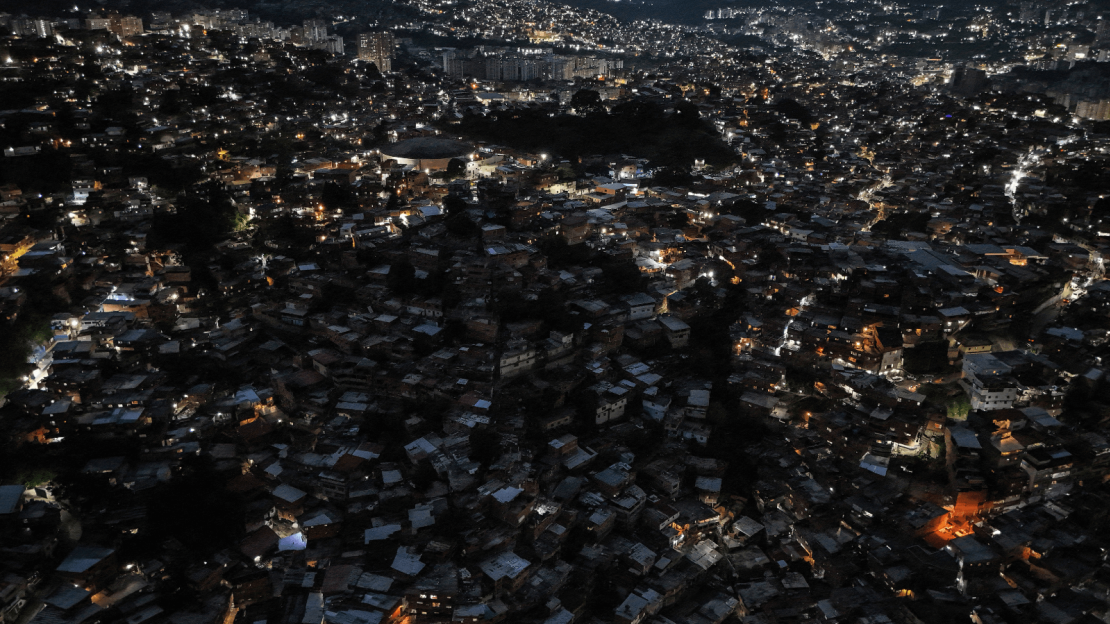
968 81
125 25
315 31
377 47
25 27
1029 13
43 28
333 44
119 25
504 64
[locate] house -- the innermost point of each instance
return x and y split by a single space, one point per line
676 331
640 604
91 567
289 501
432 597
507 572
517 358
11 501
640 306
992 392
977 562
611 405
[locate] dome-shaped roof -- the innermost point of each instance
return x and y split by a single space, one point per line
427 148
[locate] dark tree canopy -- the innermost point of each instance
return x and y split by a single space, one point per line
671 140
586 100
793 110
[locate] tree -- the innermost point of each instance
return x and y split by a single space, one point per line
586 101
926 357
453 204
686 114
240 222
402 277
793 110
19 337
621 277
200 221
460 225
34 477
424 477
638 127
584 401
196 510
485 446
717 414
678 219
566 171
335 196
958 407
332 294
673 175
456 168
560 254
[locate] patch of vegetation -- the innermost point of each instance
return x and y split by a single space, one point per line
196 510
958 407
561 255
172 178
200 222
549 306
897 225
46 172
669 140
19 337
34 477
926 357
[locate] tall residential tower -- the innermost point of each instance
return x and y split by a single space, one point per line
377 47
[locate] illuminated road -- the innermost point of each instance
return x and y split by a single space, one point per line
868 195
1031 159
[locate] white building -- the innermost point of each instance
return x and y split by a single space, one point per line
676 330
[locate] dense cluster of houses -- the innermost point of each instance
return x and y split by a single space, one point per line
852 375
